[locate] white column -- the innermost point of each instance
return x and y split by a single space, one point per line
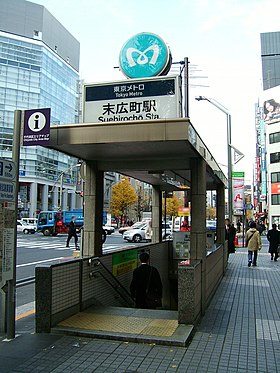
45 191
33 199
156 214
55 198
72 200
64 199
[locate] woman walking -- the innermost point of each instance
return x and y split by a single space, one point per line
253 243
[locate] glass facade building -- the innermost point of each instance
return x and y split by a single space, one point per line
39 63
270 54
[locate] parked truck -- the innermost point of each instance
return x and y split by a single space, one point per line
51 223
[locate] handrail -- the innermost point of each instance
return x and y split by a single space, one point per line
119 284
25 281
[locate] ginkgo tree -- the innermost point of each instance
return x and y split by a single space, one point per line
123 196
172 206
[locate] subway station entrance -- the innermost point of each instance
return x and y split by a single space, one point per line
169 155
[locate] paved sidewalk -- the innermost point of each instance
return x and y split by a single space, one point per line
239 333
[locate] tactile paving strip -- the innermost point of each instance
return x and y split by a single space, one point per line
121 324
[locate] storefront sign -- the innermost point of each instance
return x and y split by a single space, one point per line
275 188
156 98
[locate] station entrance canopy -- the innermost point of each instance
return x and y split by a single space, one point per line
157 152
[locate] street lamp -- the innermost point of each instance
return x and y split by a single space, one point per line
60 180
229 146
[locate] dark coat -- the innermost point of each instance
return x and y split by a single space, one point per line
273 236
140 281
72 229
230 237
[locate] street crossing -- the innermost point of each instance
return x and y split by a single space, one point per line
22 243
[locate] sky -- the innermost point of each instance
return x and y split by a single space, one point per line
221 39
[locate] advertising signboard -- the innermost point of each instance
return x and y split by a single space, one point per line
238 190
124 262
152 98
275 188
181 245
271 105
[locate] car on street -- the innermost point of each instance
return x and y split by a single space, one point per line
138 234
139 224
25 228
108 229
31 221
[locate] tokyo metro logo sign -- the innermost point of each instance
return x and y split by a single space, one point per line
145 55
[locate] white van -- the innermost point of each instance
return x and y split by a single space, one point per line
30 221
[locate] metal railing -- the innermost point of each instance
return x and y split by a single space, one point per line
25 281
111 280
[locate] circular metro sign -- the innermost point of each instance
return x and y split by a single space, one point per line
145 55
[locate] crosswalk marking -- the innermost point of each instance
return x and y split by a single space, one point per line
55 246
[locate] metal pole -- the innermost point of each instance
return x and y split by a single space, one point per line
186 83
60 191
224 110
11 301
230 201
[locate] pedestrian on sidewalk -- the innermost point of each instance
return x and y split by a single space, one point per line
230 233
253 243
146 285
273 236
72 232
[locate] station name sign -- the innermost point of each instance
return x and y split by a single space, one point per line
154 98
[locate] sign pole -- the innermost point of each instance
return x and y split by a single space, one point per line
11 301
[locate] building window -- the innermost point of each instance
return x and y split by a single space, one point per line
275 177
274 137
275 157
275 199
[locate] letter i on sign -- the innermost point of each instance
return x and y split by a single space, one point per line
36 122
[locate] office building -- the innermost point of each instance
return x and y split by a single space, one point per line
39 65
267 192
270 55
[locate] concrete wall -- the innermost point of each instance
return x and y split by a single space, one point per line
190 297
214 272
66 288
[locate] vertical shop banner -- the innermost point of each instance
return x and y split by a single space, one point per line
263 159
238 190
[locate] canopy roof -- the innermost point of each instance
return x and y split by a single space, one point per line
157 152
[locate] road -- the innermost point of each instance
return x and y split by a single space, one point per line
34 249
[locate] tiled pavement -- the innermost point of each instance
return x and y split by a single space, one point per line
239 333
